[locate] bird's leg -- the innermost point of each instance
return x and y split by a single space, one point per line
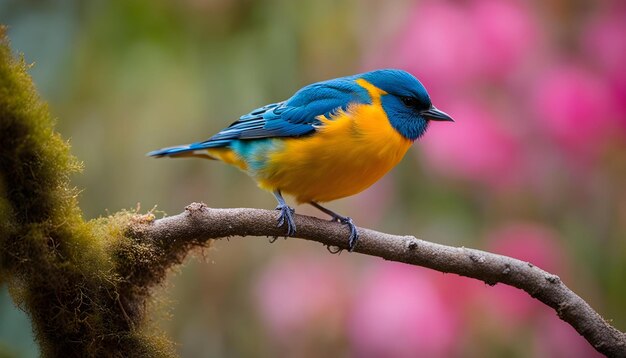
286 214
354 235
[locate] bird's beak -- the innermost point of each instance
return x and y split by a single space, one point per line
436 115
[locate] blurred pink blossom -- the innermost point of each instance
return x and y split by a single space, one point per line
604 45
603 39
436 46
297 294
574 106
476 147
400 313
445 43
506 35
556 338
528 242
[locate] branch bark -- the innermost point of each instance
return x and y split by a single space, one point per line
175 234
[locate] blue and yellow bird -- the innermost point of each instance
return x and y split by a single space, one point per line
330 140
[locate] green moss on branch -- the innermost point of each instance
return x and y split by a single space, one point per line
69 275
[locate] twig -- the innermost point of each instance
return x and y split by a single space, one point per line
174 235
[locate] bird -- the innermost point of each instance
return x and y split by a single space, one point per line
330 140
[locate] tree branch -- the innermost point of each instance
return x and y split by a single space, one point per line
175 234
86 285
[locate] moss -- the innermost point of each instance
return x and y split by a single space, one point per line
66 273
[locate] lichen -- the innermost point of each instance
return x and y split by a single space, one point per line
63 271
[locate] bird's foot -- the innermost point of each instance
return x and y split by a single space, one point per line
354 235
286 218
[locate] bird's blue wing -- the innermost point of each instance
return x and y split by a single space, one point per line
294 117
298 115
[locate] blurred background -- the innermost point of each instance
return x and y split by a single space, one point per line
534 166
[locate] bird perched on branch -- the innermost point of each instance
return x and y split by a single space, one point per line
332 139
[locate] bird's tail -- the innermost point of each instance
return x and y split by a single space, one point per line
200 149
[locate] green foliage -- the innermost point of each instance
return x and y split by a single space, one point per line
62 270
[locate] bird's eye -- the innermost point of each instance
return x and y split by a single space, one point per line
409 101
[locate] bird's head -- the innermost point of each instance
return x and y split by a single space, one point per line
406 102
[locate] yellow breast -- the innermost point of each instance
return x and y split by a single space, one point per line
348 153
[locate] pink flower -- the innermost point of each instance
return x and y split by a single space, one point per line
476 147
506 35
604 45
400 313
575 108
298 295
529 242
603 40
449 45
436 45
556 338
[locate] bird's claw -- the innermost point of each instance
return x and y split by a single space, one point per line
286 218
354 234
